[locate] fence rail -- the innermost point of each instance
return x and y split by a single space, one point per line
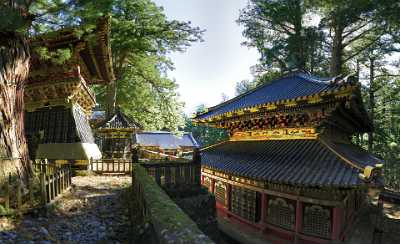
173 174
53 179
105 166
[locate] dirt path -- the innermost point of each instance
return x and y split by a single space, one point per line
93 212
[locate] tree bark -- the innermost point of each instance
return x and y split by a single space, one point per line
111 98
337 50
371 101
14 69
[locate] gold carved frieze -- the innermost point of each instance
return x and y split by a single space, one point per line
276 134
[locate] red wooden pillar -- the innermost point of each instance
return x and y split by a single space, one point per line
228 196
212 186
299 217
202 179
336 223
264 208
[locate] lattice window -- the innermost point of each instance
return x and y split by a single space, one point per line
317 221
245 203
220 191
281 212
207 182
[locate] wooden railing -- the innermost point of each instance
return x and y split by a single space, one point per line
106 166
173 174
53 180
52 185
169 224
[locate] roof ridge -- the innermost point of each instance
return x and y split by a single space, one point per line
302 75
348 161
214 145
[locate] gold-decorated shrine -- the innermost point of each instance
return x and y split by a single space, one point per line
290 169
114 136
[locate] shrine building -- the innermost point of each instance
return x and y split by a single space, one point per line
290 170
58 99
114 135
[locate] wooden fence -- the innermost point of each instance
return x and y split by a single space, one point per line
173 174
106 166
53 180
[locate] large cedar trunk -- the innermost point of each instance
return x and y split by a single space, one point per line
371 102
337 50
111 98
14 68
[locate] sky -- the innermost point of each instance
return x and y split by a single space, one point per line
210 68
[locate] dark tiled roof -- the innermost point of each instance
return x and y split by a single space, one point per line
119 120
289 87
59 125
294 162
165 140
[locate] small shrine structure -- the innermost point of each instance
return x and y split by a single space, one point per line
114 136
290 169
58 99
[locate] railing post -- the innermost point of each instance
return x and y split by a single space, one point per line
167 176
197 166
186 170
30 191
157 175
19 196
43 188
7 192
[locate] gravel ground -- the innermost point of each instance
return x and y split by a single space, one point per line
94 211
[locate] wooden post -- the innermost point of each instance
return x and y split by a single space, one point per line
336 219
167 176
7 192
299 219
48 188
19 196
197 166
69 175
264 206
228 196
212 186
157 175
30 191
43 188
58 186
186 169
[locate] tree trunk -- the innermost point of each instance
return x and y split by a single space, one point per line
371 102
337 50
111 98
298 27
14 68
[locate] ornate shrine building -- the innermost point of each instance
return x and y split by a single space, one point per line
160 144
58 99
114 135
289 169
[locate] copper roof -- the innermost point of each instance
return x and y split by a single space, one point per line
119 120
310 163
293 86
94 56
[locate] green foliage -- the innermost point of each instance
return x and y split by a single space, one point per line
59 56
278 30
141 37
205 135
